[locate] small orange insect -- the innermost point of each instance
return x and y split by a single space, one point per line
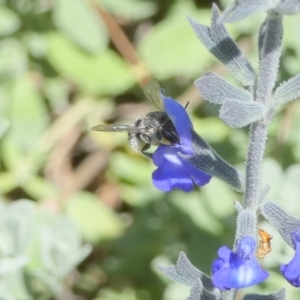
264 246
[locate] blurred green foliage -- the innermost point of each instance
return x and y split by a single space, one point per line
61 72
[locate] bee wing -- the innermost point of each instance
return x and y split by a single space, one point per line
152 91
115 128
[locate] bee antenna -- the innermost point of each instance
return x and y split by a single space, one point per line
187 105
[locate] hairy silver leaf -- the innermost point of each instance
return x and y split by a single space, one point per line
218 41
237 114
207 160
279 295
241 9
284 223
198 292
288 91
216 90
184 272
288 7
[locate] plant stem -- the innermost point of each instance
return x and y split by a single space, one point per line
270 53
258 134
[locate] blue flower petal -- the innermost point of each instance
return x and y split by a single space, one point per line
224 254
180 120
291 271
239 276
174 172
246 247
240 269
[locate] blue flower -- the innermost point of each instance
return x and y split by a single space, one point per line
235 270
173 171
291 271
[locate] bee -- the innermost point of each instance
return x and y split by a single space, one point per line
264 246
155 128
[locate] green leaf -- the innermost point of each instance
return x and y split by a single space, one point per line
43 218
57 92
272 175
176 291
291 45
219 197
290 189
21 216
95 220
4 102
171 48
9 21
7 182
291 135
108 294
197 211
139 194
122 166
103 73
13 286
11 153
78 21
40 188
36 44
212 129
29 116
56 247
13 58
291 26
21 162
4 125
130 9
61 247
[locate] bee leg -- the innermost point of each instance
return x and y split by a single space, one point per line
146 147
